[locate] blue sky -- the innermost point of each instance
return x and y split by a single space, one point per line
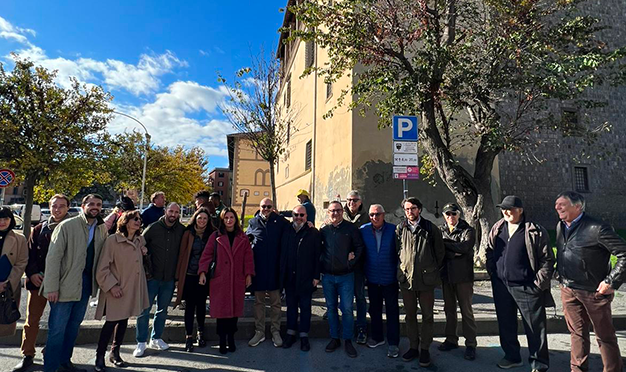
158 58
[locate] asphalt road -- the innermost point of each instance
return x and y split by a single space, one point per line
267 358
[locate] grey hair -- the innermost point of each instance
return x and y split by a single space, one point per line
378 206
173 203
574 198
354 193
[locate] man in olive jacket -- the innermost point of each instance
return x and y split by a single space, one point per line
520 262
420 252
457 275
163 240
584 247
70 280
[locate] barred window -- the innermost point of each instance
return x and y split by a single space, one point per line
581 179
308 156
309 54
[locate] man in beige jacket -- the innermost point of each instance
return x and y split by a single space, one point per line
70 280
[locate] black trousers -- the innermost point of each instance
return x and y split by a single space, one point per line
117 329
388 293
195 296
530 301
295 301
226 326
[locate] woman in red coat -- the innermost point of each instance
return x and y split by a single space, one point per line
233 273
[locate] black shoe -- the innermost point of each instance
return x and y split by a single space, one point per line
361 337
410 355
99 367
189 344
289 341
447 346
200 339
350 350
231 343
70 367
333 345
424 358
304 344
470 353
223 349
24 364
116 359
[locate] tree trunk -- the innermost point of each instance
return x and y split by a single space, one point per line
273 182
29 187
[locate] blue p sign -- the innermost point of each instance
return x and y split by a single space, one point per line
405 128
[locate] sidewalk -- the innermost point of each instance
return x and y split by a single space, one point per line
484 313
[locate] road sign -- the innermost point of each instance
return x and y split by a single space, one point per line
405 159
405 128
401 147
6 177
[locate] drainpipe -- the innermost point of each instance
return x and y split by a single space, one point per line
313 193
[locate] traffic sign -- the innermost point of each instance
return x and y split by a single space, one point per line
6 177
405 159
405 128
401 147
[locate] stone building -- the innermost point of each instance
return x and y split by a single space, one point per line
250 174
219 180
330 157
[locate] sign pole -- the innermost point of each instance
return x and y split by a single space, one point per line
2 196
405 189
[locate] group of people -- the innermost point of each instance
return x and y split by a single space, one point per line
70 259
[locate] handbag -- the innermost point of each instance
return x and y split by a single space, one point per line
213 263
9 313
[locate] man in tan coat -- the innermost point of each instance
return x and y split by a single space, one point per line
70 280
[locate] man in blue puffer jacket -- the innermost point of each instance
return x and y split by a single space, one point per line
381 265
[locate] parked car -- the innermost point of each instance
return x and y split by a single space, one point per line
19 225
35 216
45 214
73 211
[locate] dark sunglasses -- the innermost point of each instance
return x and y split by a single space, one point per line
353 200
335 210
267 207
451 213
137 219
375 214
299 214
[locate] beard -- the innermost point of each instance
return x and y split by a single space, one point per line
92 213
172 219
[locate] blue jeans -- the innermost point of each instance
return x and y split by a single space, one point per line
162 291
341 286
361 303
63 327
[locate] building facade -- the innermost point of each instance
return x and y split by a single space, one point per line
219 180
329 157
250 175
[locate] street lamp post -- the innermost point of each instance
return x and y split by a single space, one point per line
145 157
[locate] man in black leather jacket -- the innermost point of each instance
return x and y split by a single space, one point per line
584 247
342 247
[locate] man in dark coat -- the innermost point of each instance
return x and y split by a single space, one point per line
265 231
155 210
457 275
584 247
37 252
300 274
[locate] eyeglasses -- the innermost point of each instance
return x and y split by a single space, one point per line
137 219
410 209
267 207
451 213
299 214
353 200
335 210
375 214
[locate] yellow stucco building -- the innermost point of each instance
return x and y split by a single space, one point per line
250 174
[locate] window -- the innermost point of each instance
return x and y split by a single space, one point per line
329 90
220 175
288 92
308 155
256 193
243 192
287 172
221 192
581 179
266 193
220 183
16 190
259 177
288 131
309 54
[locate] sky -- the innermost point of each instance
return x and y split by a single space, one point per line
159 59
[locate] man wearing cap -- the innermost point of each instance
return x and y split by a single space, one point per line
354 213
520 262
457 275
584 247
305 200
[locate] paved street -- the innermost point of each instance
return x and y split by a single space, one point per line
267 358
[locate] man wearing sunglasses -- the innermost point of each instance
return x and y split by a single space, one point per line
420 252
342 247
354 212
381 263
300 273
265 231
457 275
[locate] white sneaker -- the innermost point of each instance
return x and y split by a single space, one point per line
139 350
158 344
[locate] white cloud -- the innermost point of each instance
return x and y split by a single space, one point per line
8 31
